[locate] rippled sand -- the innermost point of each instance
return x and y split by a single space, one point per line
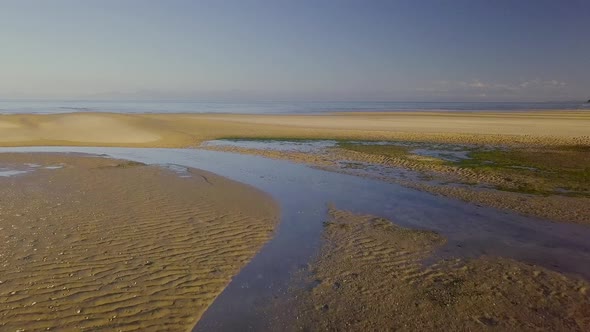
370 276
115 245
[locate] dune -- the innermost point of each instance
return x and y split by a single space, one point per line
103 244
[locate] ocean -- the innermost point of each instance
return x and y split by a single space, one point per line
68 106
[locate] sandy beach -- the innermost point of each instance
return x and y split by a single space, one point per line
103 244
539 130
187 130
98 243
294 166
370 275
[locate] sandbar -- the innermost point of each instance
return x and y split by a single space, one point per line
187 130
94 243
370 275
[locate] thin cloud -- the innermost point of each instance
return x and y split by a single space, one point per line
533 88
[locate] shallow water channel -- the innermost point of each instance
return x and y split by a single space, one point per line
304 194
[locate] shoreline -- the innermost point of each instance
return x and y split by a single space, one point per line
182 130
493 187
571 128
320 303
94 242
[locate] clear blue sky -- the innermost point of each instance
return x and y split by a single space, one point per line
296 50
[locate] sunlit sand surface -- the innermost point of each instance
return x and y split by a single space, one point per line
74 128
185 130
115 245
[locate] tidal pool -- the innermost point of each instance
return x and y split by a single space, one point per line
276 145
5 172
304 194
447 152
23 169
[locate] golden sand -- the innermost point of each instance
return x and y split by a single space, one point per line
369 276
114 245
185 130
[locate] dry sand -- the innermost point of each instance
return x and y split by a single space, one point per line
103 244
369 276
184 130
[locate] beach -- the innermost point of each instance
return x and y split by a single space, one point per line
96 243
294 166
188 130
556 134
539 180
470 220
370 275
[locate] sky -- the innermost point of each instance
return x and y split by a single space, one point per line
336 50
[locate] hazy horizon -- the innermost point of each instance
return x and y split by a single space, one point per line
260 100
391 51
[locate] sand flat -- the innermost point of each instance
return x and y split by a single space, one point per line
517 123
370 276
116 245
186 130
531 193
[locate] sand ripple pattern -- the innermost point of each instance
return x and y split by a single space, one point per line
370 276
111 245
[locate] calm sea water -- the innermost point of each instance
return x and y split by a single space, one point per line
67 106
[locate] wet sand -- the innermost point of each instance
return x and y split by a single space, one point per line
562 208
370 275
97 243
558 247
186 130
192 240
